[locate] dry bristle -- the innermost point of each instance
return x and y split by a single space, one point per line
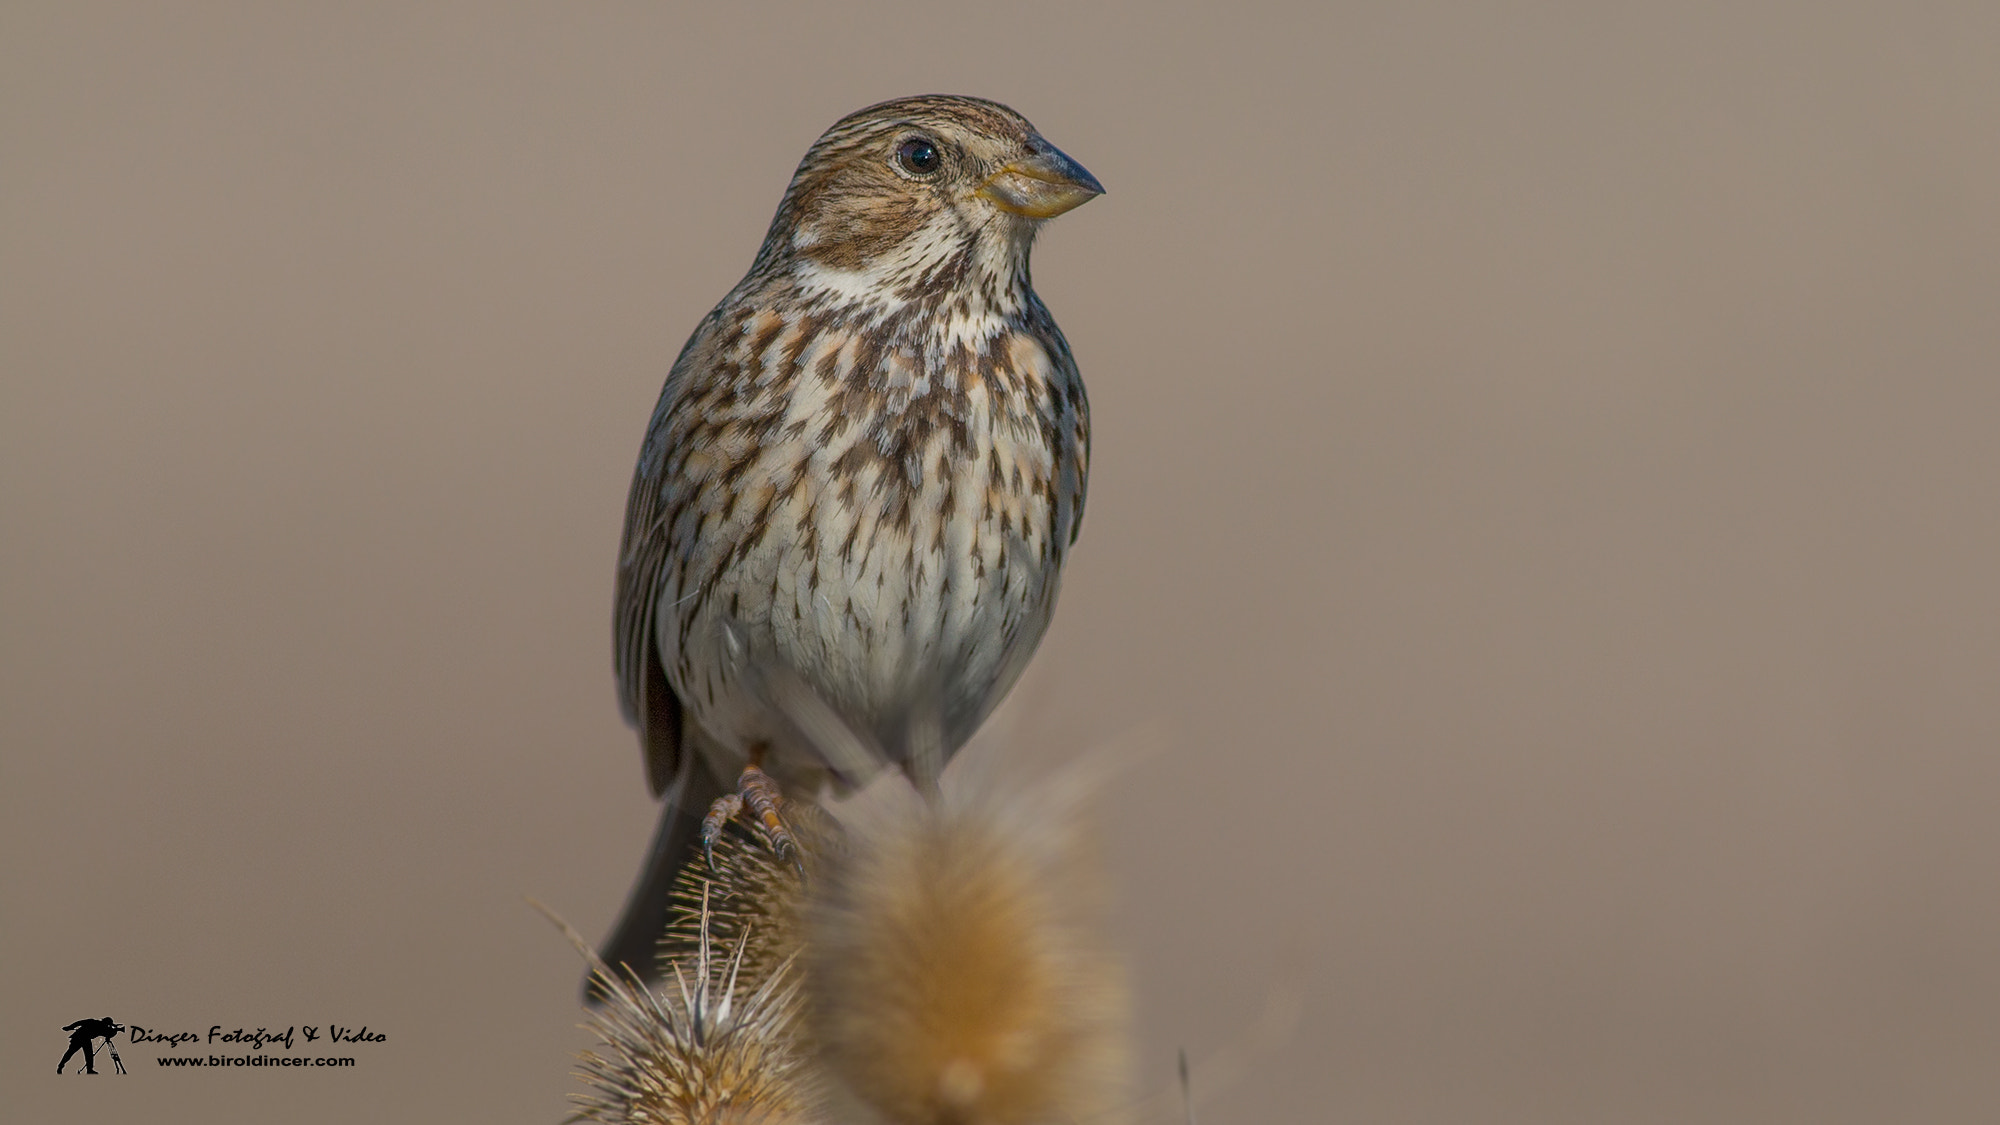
708 1048
952 978
751 895
936 966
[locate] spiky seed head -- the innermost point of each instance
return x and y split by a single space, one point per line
952 976
751 896
708 1047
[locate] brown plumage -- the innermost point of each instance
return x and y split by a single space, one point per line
849 518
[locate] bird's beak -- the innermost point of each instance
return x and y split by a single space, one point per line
1042 184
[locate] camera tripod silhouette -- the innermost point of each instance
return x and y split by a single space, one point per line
82 1032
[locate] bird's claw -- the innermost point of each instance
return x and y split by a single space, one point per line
759 794
719 814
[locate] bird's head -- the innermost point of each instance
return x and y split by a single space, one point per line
925 194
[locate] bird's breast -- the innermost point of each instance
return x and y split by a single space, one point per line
896 546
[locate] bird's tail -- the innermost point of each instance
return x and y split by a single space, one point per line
635 940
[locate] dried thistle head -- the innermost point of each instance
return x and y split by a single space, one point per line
751 897
937 965
953 976
709 1047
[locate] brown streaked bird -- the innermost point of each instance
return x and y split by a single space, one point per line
851 511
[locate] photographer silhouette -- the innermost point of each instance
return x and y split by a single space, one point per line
81 1033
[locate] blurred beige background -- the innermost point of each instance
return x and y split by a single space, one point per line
1545 512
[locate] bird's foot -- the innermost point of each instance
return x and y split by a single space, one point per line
720 813
756 791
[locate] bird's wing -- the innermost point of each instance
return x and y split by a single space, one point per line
1067 418
1078 420
644 693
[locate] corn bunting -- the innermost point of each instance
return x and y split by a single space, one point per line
852 507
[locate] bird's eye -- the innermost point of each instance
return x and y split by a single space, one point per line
918 156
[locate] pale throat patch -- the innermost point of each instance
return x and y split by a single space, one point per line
991 293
